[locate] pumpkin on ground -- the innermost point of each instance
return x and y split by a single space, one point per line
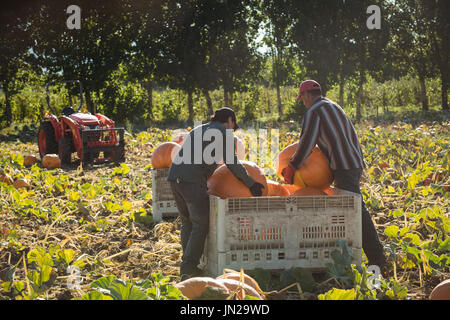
308 191
274 189
21 183
29 161
51 161
194 287
234 275
235 286
314 172
441 291
4 177
164 154
224 184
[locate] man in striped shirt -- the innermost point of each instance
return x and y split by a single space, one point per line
326 124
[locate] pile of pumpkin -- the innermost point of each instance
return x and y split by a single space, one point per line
314 177
230 285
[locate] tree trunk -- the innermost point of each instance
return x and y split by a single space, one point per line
280 106
190 107
444 89
384 101
208 101
8 111
341 90
149 88
226 97
359 96
89 103
423 94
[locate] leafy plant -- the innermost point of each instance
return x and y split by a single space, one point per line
111 288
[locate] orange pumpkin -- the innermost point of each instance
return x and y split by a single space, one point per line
308 191
164 154
194 287
235 285
234 275
21 183
224 184
314 172
6 179
51 161
441 291
330 191
274 189
291 188
29 161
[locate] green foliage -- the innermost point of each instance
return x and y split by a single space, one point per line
357 283
111 288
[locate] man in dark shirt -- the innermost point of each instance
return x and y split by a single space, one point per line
326 124
188 175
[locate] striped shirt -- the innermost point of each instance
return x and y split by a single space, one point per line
326 124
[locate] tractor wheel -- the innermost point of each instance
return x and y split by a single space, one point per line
119 155
65 150
88 158
46 139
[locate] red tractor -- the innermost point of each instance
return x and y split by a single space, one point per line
81 132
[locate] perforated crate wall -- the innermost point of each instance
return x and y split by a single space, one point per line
164 205
277 233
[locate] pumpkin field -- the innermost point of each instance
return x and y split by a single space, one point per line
88 232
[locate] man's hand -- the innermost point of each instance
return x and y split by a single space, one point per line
256 189
288 174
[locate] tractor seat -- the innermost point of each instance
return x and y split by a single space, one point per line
67 111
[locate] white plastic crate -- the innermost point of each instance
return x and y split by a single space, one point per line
164 205
277 233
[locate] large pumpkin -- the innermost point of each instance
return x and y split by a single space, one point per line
234 285
234 275
51 161
308 191
224 184
164 154
291 188
194 287
314 172
274 189
330 191
441 291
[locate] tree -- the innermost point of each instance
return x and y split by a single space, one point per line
437 12
90 53
277 28
15 41
144 56
233 55
412 40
